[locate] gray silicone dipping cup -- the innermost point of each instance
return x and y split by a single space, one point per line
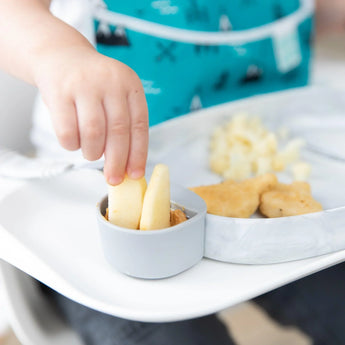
161 253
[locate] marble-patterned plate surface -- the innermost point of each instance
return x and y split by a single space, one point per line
183 144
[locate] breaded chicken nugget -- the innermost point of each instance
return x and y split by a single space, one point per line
288 200
261 183
232 199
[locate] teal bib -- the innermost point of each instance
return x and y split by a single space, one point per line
191 54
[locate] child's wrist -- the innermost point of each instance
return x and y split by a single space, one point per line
59 37
50 57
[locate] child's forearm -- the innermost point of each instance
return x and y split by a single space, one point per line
330 16
29 32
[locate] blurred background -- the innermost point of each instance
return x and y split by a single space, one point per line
249 324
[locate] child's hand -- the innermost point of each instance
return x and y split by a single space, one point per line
97 104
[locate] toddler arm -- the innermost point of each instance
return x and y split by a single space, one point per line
96 103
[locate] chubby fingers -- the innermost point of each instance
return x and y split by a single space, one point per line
92 127
138 133
117 137
65 123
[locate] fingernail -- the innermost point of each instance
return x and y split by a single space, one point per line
115 180
135 174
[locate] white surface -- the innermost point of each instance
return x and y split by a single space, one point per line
16 99
49 231
4 325
329 63
34 319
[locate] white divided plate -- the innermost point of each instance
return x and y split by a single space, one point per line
183 144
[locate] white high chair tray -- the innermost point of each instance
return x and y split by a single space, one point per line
48 229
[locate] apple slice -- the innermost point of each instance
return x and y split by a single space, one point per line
125 202
156 206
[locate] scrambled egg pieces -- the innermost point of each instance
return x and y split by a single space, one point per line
243 148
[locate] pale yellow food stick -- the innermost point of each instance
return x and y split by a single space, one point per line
125 202
156 207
